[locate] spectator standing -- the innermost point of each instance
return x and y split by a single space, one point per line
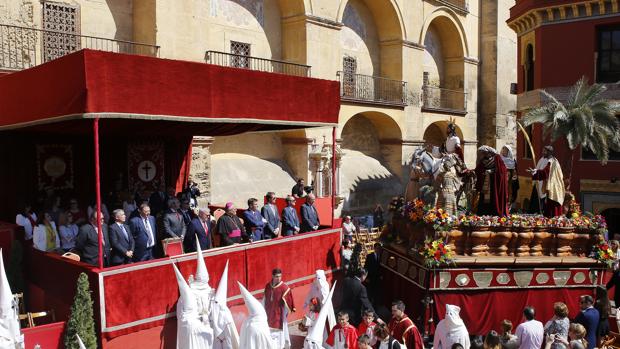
200 228
129 204
278 303
558 325
531 332
309 215
491 341
87 242
104 210
79 216
27 219
354 297
123 243
384 339
158 199
348 228
143 229
451 329
45 235
343 335
270 214
576 335
604 309
377 216
508 340
298 189
186 212
367 326
589 318
346 252
174 225
254 221
229 226
290 220
68 231
403 329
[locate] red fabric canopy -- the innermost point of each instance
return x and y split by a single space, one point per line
89 84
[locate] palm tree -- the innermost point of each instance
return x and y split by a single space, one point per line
586 120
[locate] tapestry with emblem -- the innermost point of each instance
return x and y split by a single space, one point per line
55 166
145 165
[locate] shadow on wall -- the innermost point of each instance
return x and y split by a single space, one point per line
366 181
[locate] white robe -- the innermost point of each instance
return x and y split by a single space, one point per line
255 334
223 324
192 333
451 330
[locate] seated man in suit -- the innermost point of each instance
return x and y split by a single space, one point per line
270 213
121 239
200 228
290 221
309 215
174 225
253 221
87 242
143 229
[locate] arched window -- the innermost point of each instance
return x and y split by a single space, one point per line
529 68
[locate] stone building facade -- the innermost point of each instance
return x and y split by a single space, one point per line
406 68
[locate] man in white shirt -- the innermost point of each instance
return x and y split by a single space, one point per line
530 334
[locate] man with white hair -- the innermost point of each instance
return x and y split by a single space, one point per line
199 231
451 330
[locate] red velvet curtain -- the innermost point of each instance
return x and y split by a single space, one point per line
178 162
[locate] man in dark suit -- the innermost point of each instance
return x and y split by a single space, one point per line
121 239
253 221
87 242
199 228
174 225
143 229
354 297
589 318
290 221
186 212
270 213
309 215
157 201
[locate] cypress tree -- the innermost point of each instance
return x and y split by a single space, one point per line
81 320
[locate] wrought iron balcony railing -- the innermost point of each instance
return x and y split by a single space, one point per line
22 47
443 100
372 89
459 5
254 63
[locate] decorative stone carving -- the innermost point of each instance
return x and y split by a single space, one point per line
483 278
523 278
542 278
579 277
200 169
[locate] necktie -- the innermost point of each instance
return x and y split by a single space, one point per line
149 232
204 225
273 210
124 231
178 217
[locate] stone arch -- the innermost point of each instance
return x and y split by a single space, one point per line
448 17
387 15
444 53
372 161
290 8
436 132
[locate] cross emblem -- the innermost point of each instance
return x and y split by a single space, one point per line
147 171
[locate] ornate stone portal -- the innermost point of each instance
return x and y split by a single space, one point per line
320 163
201 167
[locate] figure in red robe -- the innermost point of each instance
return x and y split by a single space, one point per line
343 335
402 328
491 183
278 298
549 183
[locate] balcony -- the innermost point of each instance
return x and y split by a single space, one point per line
372 89
22 47
536 98
254 63
458 5
443 100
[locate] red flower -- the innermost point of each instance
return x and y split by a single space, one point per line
437 255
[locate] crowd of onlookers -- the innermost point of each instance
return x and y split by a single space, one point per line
139 225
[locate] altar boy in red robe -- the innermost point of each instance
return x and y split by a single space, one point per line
278 298
343 335
403 329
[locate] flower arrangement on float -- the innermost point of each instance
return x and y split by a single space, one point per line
602 252
436 253
439 219
415 210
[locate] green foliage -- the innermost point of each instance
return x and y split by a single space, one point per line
81 320
586 119
14 268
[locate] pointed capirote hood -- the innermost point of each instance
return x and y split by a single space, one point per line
185 293
222 288
315 334
6 296
202 275
80 343
255 308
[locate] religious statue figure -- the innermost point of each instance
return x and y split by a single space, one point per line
453 142
423 166
448 183
491 183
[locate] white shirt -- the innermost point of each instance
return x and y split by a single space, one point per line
23 221
451 143
39 236
348 228
530 334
